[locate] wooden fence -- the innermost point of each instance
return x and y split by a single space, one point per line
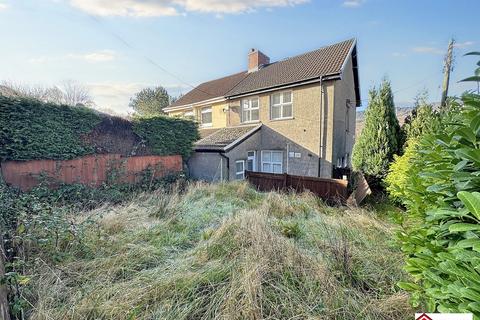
327 189
89 170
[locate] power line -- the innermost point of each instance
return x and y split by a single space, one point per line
145 57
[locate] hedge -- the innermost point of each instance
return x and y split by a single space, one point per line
167 136
30 129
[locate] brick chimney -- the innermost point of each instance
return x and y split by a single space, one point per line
256 60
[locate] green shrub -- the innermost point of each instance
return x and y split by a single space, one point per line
379 139
30 129
441 235
167 136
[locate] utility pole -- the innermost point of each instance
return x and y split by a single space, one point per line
446 72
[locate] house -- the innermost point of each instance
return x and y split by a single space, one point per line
294 116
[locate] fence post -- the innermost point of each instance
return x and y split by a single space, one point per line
285 177
4 310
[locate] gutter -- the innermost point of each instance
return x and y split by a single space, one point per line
322 120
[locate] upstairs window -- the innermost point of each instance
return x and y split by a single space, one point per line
206 117
250 110
281 106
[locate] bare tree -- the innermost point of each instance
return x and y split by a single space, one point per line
69 92
75 94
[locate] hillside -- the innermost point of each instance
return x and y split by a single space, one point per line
221 251
402 113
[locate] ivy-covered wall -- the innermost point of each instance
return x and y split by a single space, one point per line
167 136
30 129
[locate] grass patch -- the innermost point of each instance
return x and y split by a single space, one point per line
223 251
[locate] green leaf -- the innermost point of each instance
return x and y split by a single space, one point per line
471 200
470 79
408 286
469 154
462 227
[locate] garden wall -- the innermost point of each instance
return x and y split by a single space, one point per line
92 170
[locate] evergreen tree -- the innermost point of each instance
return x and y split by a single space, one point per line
423 119
380 138
150 101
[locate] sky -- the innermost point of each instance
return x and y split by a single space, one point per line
116 48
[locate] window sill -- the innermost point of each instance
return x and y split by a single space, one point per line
206 125
249 122
282 119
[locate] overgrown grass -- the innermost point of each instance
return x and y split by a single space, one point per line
223 251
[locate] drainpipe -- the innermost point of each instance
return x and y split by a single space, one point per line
228 166
321 127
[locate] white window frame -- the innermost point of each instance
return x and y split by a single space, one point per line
206 110
189 114
241 173
253 159
281 104
249 109
271 162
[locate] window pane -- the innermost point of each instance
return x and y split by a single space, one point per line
250 154
287 97
255 103
287 110
245 104
277 168
276 98
254 115
245 116
277 157
266 167
266 156
250 165
239 166
276 112
207 117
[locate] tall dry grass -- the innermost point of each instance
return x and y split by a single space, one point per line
225 251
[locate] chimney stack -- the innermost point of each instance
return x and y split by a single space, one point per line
256 60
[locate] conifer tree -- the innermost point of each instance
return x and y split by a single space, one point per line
380 138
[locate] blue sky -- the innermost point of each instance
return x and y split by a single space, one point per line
117 47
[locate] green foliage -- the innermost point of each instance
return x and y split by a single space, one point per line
423 119
150 101
379 140
441 234
167 136
401 173
30 129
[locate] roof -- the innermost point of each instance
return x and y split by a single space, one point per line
328 60
210 90
226 138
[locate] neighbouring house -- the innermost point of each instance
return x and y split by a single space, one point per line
294 116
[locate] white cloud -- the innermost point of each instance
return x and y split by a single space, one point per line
155 8
91 57
463 44
3 6
353 3
99 56
430 50
399 54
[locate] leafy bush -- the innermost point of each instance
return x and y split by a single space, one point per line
30 129
441 234
379 139
167 136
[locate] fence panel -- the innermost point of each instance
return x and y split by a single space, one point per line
327 189
89 170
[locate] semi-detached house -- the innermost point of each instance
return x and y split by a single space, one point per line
294 116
